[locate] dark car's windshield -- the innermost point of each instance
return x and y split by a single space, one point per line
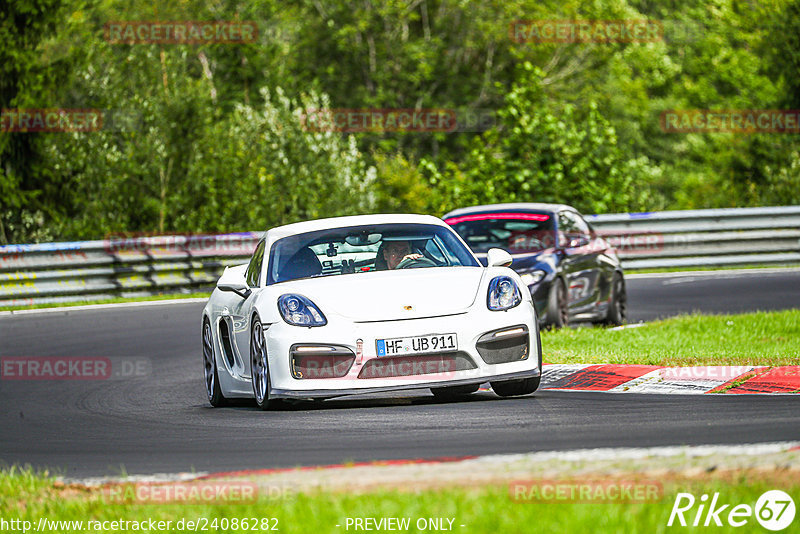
515 232
360 249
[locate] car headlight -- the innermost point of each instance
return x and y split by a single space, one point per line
503 294
533 277
297 310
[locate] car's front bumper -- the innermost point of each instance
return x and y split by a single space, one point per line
331 393
469 328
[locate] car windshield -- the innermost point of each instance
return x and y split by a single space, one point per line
514 232
361 249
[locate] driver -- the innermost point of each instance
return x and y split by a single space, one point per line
396 251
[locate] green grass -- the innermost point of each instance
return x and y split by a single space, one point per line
115 300
762 338
481 509
713 268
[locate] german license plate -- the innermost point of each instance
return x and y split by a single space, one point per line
432 343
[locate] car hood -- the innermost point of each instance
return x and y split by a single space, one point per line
386 296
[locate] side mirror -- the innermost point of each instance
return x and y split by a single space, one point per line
497 257
579 241
234 282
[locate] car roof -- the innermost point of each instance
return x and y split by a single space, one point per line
353 220
512 206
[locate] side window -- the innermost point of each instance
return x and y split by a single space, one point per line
433 250
566 227
254 269
582 226
571 226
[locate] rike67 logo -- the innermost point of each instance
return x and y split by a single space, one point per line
774 510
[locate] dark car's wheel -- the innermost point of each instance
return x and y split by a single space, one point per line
454 392
513 388
557 315
259 367
213 391
618 306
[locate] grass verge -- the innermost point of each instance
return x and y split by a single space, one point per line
480 509
115 300
713 268
762 338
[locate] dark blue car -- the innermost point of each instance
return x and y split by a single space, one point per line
572 273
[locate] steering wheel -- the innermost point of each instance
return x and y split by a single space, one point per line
411 263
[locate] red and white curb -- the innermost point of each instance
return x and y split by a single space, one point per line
674 380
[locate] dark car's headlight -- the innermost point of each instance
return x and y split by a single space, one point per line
503 294
533 277
297 310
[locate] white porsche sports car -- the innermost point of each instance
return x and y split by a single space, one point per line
364 304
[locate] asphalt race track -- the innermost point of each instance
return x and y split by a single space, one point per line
161 422
663 295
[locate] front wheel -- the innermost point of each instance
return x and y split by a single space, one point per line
514 388
213 390
557 315
259 367
617 307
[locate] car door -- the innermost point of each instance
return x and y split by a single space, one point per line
594 251
241 314
579 263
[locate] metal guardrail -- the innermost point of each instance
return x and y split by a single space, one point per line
704 238
123 266
140 265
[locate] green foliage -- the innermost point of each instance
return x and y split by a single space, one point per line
544 151
400 186
260 166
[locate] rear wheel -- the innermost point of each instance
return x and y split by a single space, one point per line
213 391
557 315
259 367
618 306
454 392
514 388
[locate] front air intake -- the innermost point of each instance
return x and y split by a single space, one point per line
443 364
320 361
506 345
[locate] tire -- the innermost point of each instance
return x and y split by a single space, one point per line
557 315
454 392
213 391
514 388
617 307
259 367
